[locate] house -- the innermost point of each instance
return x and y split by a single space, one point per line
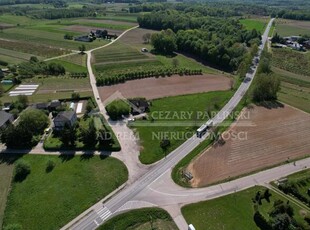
101 33
5 119
64 118
139 105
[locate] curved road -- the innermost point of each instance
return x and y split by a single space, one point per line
96 217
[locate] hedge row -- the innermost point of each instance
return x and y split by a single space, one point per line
78 75
121 78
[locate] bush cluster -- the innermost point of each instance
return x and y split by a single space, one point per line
123 77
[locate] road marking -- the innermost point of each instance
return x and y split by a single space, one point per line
96 222
104 213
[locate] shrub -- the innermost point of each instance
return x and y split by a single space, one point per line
117 108
50 165
22 170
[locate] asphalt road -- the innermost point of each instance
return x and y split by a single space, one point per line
109 208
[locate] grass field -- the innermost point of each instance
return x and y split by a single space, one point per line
70 66
60 84
14 57
293 69
175 119
53 199
141 219
77 59
6 173
233 211
292 61
251 24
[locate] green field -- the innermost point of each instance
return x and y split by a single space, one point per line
77 59
70 66
293 69
176 126
14 57
118 52
6 173
292 61
53 199
251 24
141 219
234 211
60 84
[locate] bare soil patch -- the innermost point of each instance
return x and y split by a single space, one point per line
276 135
152 88
295 23
87 29
6 26
135 36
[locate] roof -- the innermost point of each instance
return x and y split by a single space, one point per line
4 117
139 102
41 105
64 116
55 104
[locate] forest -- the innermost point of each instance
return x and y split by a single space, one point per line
221 42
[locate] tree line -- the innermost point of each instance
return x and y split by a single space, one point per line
123 77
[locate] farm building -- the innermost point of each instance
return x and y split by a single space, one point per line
65 118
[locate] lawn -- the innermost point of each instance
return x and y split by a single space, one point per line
53 141
175 119
141 219
251 24
234 211
6 173
53 199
